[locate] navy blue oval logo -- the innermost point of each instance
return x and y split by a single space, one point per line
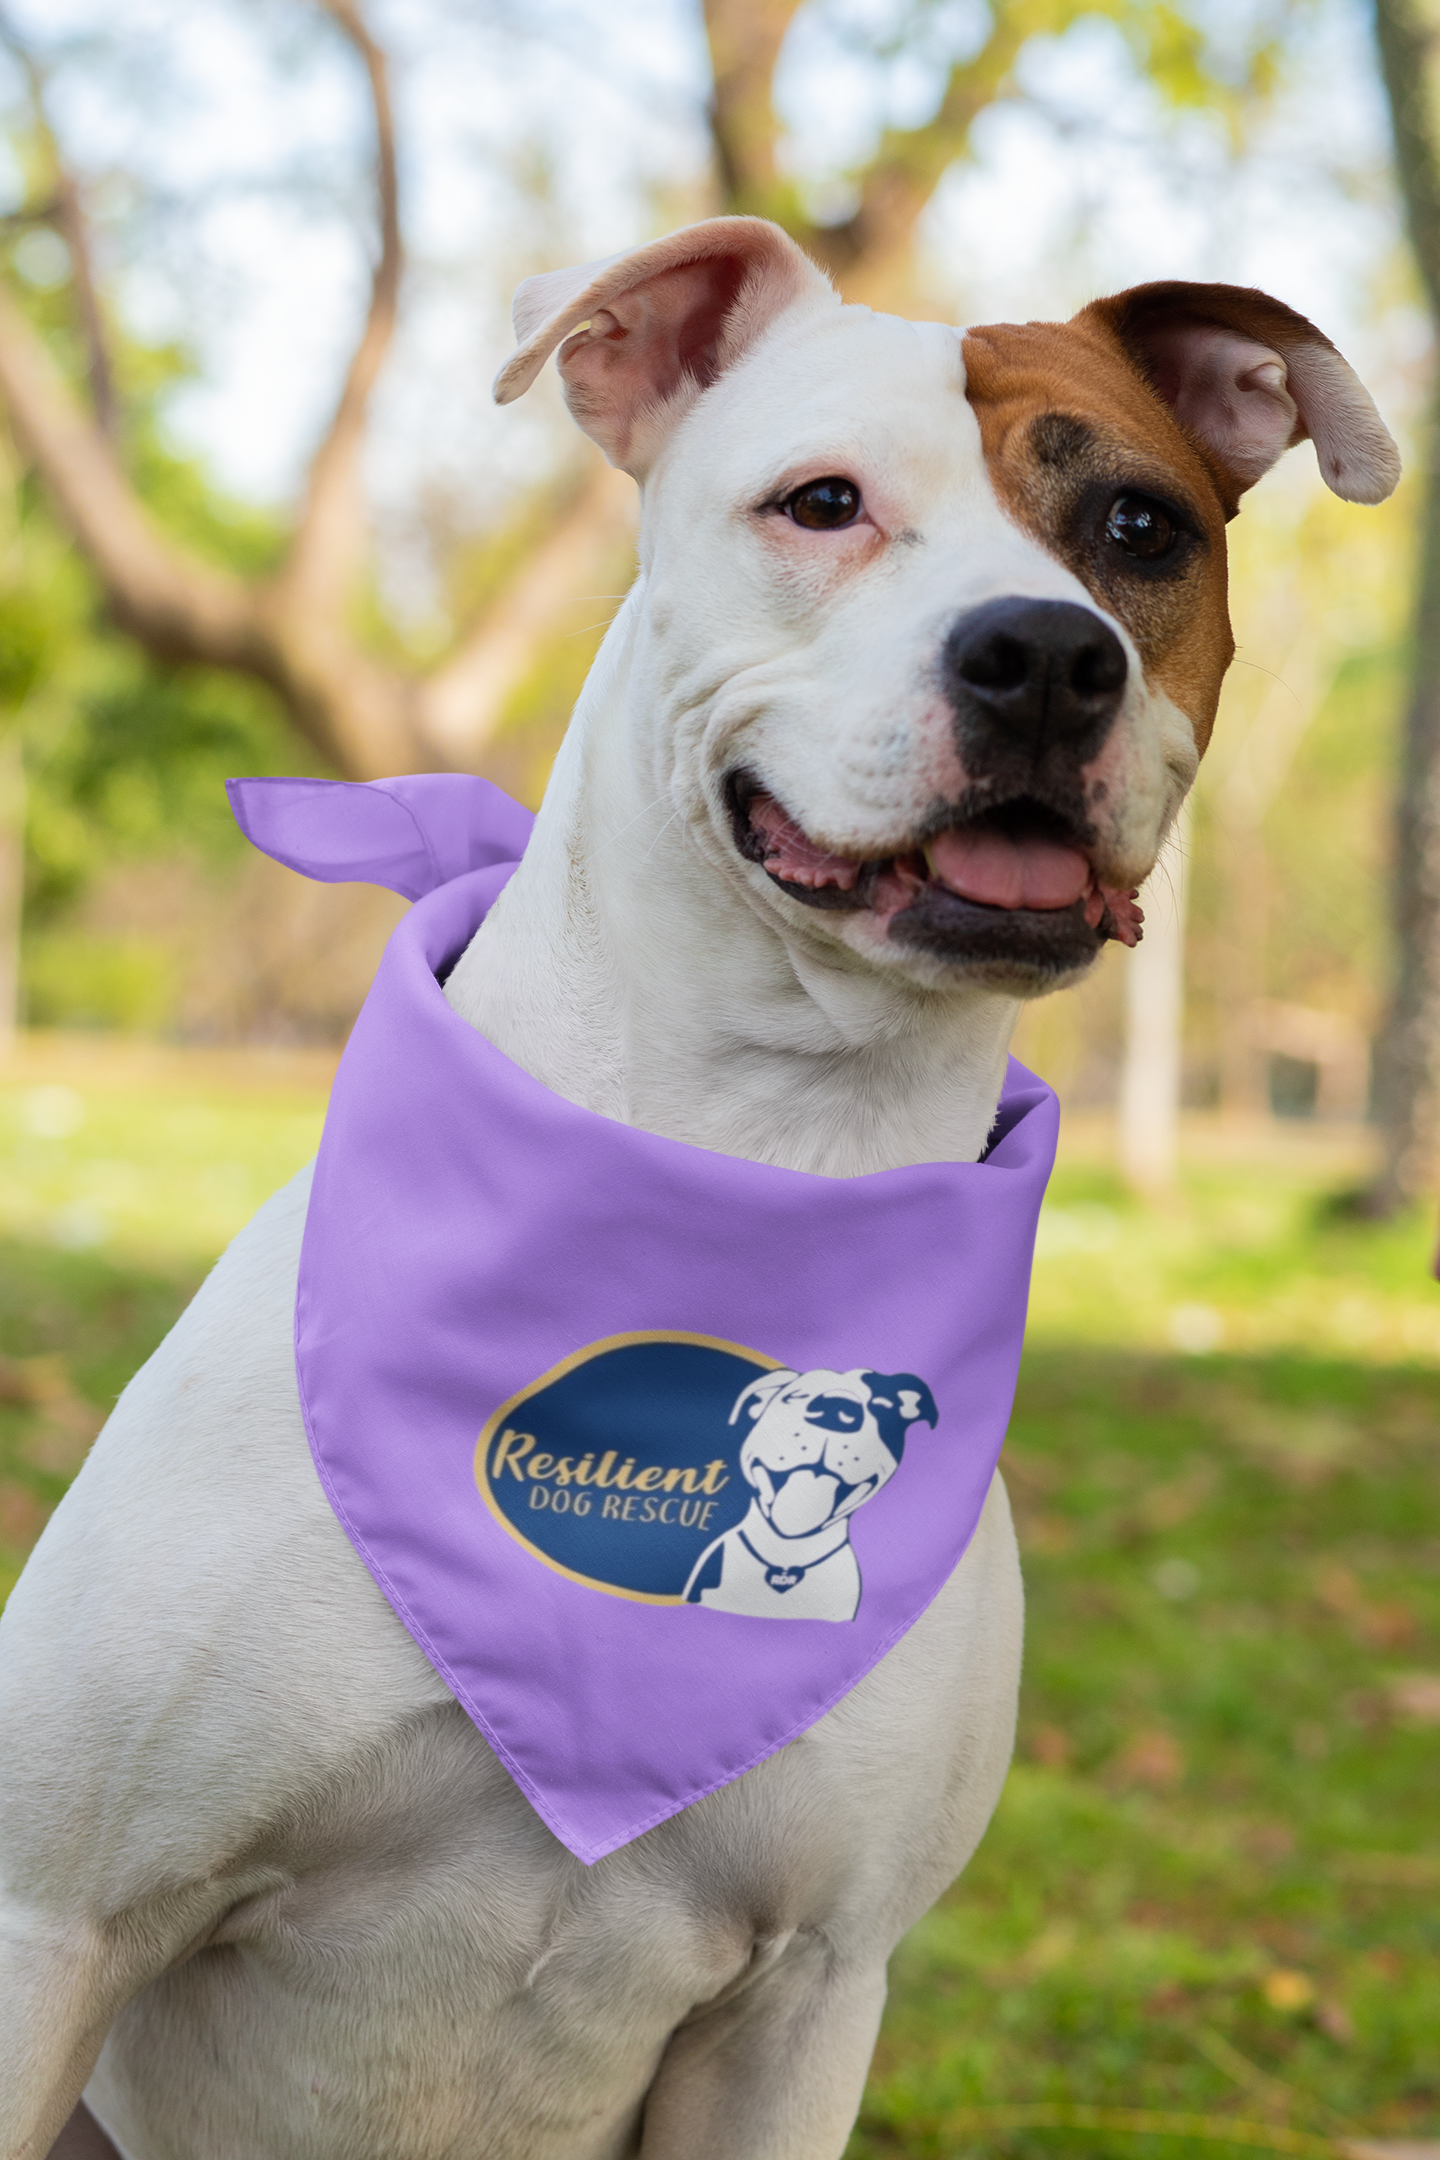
680 1469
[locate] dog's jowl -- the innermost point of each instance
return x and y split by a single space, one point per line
508 1704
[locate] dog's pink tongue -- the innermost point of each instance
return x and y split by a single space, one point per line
1001 872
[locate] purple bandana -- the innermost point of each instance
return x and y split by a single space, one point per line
654 1451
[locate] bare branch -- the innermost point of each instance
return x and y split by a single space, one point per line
357 713
361 715
463 702
175 606
70 217
67 214
291 632
909 165
330 533
745 40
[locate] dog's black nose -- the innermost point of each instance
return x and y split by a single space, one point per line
1040 671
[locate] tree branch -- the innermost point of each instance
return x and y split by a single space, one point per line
1407 1048
329 536
361 715
177 607
67 214
1407 51
70 218
745 39
463 702
357 713
909 164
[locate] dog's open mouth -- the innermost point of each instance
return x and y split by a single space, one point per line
1012 885
799 1502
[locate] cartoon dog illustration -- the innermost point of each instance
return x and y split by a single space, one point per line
820 1445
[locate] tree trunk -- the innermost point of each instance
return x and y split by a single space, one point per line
12 881
1407 1052
1154 1025
295 631
1244 1063
1249 780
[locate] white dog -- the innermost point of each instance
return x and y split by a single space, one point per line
925 644
820 1445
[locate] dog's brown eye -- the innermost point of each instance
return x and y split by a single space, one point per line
1140 526
822 505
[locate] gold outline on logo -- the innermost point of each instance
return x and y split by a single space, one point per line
557 1372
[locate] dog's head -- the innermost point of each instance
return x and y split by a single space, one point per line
932 624
821 1444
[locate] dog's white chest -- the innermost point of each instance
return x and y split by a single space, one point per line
394 1947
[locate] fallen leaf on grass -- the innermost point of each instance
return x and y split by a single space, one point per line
1365 1707
1268 1841
1391 2148
1335 2021
1287 1990
1150 1758
69 1422
1050 1948
1338 1589
1026 1474
57 1449
1171 1996
22 1517
1416 1695
1050 1746
1386 1626
1043 1533
1301 1447
1388 1871
1166 1506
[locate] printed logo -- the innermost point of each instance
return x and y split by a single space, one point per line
678 1469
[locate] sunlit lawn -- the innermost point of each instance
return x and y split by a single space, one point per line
1213 1885
123 1172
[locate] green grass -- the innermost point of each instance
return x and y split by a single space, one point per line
124 1171
1213 1885
1217 1781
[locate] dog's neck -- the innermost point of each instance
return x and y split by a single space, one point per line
626 970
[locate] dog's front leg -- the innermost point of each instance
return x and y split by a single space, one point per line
56 2012
777 2071
65 1975
63 1980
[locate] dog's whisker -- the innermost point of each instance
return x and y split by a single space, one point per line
649 852
628 826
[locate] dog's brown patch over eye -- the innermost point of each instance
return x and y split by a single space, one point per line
824 505
1086 458
1059 438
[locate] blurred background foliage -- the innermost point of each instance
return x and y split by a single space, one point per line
859 126
1211 1884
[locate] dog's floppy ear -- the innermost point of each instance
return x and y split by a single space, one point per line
756 1398
645 329
1249 377
899 1400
